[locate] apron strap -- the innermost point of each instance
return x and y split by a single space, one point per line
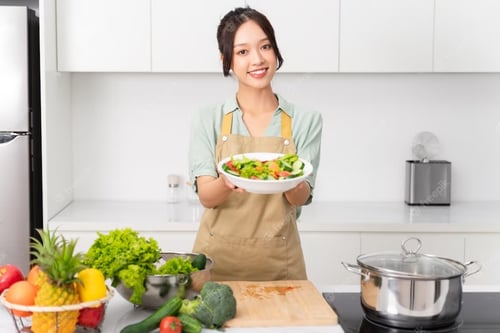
286 125
227 123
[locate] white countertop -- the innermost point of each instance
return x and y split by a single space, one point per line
120 313
319 216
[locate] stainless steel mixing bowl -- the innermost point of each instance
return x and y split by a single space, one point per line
159 288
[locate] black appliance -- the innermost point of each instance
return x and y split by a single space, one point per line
480 314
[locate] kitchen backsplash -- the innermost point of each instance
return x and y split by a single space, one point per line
131 130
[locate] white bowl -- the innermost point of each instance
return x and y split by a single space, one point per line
264 186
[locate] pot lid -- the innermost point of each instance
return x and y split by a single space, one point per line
411 264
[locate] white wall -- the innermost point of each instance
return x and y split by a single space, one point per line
131 130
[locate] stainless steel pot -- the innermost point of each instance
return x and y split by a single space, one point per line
411 290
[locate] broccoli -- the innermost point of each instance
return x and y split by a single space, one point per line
213 306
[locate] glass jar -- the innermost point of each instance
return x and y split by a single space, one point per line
173 190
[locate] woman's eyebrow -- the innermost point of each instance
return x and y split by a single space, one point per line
243 44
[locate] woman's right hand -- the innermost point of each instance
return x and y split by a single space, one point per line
214 191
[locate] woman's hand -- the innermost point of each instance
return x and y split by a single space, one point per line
214 191
298 195
230 185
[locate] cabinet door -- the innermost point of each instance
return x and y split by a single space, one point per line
184 34
306 33
386 35
483 248
111 35
324 253
467 36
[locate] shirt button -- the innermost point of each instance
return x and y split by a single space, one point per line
286 142
224 138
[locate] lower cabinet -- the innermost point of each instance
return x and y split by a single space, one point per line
324 251
178 241
485 249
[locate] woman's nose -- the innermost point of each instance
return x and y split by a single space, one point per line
257 58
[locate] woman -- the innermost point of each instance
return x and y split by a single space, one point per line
251 236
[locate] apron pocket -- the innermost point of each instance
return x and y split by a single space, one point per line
257 259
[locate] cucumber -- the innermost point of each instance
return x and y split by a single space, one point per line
199 261
170 308
189 324
298 167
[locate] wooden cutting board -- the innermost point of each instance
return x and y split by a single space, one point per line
279 303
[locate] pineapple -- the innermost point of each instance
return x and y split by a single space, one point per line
59 265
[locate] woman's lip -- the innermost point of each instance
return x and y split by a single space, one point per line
258 73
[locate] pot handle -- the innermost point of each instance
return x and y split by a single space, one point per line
356 270
467 266
411 252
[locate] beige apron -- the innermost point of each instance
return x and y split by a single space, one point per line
252 237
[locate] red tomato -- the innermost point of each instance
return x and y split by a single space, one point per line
284 173
231 166
9 274
170 324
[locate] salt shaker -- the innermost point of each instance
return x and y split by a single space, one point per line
173 195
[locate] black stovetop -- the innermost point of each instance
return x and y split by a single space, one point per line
480 314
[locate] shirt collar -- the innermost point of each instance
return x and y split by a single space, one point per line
231 105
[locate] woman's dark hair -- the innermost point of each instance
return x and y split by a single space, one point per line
227 30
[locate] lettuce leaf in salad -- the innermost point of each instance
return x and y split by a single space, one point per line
284 167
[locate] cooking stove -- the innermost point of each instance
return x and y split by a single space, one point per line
480 314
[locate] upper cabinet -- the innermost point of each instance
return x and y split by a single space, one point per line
184 34
111 35
467 36
317 36
386 35
306 33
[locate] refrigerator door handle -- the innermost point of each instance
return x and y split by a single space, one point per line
10 136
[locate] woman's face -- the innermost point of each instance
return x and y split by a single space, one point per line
254 60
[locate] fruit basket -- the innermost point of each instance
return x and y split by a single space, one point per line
23 323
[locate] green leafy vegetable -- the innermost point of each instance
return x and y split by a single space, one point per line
213 306
283 167
124 255
177 265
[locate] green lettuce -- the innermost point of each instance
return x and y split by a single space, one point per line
124 255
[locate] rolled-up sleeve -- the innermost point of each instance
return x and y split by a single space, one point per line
307 131
202 143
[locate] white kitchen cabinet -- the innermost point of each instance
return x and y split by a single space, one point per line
306 33
467 36
324 253
386 35
108 36
184 34
483 248
176 241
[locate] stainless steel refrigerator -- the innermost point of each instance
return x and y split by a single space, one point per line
20 139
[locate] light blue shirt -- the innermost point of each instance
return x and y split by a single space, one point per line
206 126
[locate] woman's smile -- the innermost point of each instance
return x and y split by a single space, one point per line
258 73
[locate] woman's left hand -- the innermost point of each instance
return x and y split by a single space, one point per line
298 195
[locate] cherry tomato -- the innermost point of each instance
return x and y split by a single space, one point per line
170 324
9 274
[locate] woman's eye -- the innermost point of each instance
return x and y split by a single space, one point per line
267 47
241 52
